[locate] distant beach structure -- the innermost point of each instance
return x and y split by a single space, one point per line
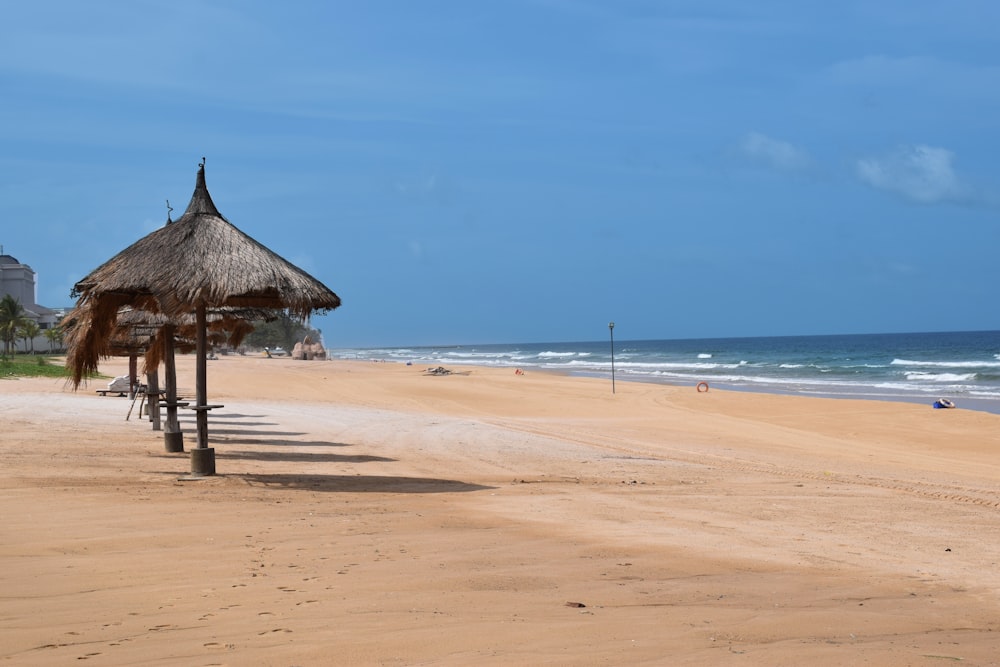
19 281
308 350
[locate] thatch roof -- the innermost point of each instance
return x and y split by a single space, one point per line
138 331
202 257
200 261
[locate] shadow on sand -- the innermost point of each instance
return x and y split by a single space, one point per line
279 443
363 483
237 415
243 431
305 457
235 433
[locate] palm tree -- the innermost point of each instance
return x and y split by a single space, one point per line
54 335
11 317
28 331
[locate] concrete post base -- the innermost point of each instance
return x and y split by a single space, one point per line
203 461
173 442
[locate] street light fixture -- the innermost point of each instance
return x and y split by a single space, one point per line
611 330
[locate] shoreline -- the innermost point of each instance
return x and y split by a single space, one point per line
860 392
912 368
367 513
991 406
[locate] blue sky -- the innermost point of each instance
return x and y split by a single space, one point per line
525 171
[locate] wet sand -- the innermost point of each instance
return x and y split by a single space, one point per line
370 514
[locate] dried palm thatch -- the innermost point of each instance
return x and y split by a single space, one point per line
199 260
202 257
139 331
197 264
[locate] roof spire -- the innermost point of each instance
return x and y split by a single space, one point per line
201 201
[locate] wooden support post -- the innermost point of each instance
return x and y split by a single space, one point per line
173 438
153 397
203 457
133 374
201 373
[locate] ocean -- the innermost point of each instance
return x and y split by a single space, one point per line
963 367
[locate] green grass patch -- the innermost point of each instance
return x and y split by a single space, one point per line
31 365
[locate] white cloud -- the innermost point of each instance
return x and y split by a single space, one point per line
775 153
921 173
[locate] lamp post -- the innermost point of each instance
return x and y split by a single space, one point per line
611 330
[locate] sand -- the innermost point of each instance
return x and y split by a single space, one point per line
370 514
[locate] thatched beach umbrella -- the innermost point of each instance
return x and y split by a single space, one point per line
155 336
198 263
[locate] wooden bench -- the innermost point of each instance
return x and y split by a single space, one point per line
162 393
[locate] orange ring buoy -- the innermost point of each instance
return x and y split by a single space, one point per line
700 385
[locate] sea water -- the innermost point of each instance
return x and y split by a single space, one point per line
963 367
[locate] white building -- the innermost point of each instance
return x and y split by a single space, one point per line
18 280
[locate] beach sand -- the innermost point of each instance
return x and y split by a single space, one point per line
370 514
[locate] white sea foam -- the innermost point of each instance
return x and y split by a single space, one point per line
479 355
940 377
947 364
651 367
704 355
